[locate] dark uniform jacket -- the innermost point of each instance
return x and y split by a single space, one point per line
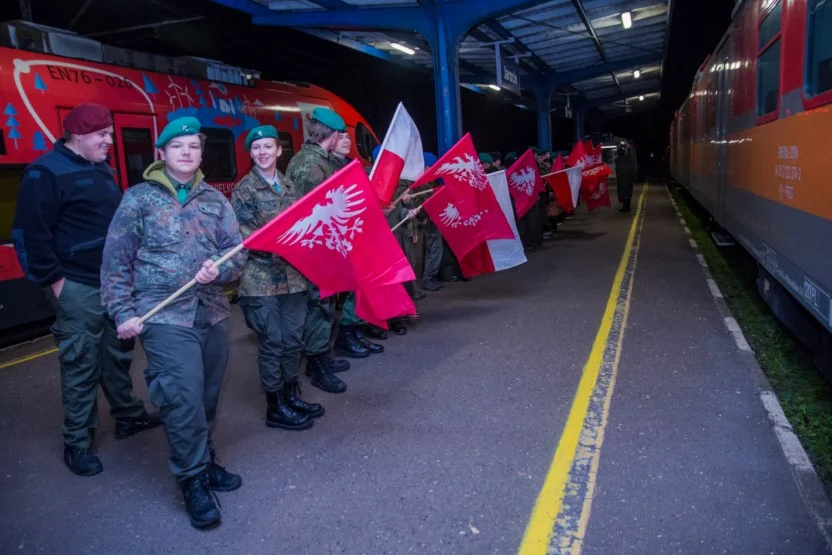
65 206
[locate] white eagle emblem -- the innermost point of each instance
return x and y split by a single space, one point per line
450 217
468 169
333 224
523 180
599 192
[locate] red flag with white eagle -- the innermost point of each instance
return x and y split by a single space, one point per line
338 237
600 196
376 305
524 182
400 157
465 209
593 168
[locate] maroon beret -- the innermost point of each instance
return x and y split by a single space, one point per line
88 118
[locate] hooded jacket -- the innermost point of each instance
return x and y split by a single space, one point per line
157 244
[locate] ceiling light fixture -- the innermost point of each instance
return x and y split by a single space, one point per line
636 74
402 48
494 88
627 20
641 97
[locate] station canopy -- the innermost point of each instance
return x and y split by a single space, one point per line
605 55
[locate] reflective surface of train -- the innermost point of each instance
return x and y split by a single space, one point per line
753 144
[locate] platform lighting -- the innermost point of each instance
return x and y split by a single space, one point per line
627 20
636 74
641 97
402 48
494 88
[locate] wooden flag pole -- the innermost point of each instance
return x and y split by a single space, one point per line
188 285
409 217
414 195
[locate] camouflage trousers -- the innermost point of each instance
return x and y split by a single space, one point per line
348 315
433 253
278 321
91 354
317 329
185 370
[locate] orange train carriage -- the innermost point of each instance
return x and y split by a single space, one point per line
753 145
37 89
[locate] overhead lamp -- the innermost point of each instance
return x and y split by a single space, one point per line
636 74
627 20
641 97
402 48
494 88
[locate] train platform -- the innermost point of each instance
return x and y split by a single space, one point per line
592 400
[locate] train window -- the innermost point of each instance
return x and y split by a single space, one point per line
768 62
138 152
2 143
364 141
218 159
288 145
9 191
770 27
819 48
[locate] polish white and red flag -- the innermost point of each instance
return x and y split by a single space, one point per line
465 209
338 238
496 254
566 183
401 156
525 183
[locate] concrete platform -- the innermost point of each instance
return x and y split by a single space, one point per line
442 443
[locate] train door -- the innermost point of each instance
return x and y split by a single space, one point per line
722 137
134 147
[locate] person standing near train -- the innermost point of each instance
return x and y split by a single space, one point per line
167 230
67 199
272 291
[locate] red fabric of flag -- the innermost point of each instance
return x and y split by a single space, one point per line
524 182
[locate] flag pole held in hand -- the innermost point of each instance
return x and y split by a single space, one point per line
188 285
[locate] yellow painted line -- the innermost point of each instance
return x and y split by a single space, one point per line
549 503
27 358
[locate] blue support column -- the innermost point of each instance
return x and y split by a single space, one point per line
544 119
444 42
578 118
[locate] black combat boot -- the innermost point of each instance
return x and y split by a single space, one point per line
291 392
199 502
280 415
374 332
219 479
397 326
126 427
334 365
432 285
374 348
81 461
347 344
322 378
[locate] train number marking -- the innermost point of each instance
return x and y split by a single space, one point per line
810 293
71 75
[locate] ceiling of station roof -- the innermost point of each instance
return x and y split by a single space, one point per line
553 37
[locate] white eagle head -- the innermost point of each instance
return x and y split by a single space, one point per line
466 168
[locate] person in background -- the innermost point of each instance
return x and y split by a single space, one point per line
272 292
497 160
433 242
310 167
487 162
167 230
510 158
625 176
67 200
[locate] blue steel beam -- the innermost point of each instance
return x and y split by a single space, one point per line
416 41
504 34
579 7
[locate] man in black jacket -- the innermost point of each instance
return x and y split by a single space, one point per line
67 199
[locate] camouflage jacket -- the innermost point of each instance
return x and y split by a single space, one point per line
310 167
400 211
256 203
155 245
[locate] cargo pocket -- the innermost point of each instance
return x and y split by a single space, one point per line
163 236
161 389
72 346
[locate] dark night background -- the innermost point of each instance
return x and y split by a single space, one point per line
372 85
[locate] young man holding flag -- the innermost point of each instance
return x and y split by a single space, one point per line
167 230
309 168
272 292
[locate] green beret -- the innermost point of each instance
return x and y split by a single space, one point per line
178 128
486 158
262 132
511 154
329 118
